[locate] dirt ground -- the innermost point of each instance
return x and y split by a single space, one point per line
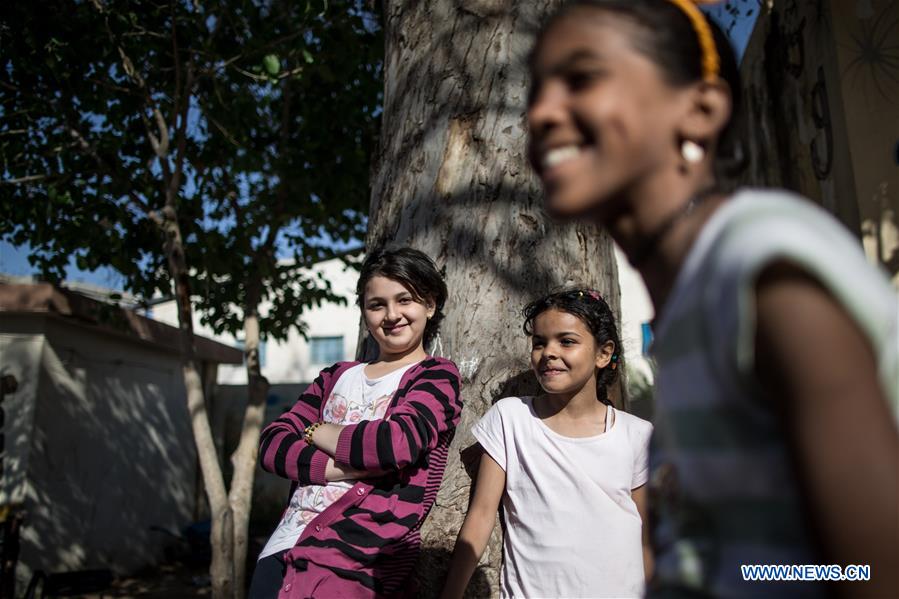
166 581
177 578
169 581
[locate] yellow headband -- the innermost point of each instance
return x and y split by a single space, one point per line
711 63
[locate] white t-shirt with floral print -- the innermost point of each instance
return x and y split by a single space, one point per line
355 397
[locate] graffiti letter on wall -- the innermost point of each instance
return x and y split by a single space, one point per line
795 40
821 118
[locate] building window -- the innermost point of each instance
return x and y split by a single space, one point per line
326 350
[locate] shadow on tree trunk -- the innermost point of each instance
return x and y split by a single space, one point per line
436 559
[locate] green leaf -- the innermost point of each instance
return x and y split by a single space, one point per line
272 64
307 55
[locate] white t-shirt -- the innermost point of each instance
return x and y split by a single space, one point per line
355 397
571 527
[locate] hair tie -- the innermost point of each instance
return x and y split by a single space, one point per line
711 62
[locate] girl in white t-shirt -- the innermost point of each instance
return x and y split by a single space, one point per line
568 468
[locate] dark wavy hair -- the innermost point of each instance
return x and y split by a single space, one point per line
415 271
669 40
589 306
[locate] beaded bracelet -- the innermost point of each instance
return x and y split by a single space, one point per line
309 430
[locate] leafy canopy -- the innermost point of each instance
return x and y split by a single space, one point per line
251 121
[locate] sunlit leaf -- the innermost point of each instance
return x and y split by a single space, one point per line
271 64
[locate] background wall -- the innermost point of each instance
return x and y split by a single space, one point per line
111 453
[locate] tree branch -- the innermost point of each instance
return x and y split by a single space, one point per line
160 143
160 146
134 200
181 136
259 50
224 131
176 62
112 86
21 180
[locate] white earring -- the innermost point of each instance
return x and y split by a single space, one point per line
692 151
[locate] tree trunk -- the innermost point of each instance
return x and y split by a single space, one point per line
452 180
244 457
222 536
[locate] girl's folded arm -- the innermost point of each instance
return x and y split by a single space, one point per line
475 533
282 449
430 407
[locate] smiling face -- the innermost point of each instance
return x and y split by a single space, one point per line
395 319
564 353
601 118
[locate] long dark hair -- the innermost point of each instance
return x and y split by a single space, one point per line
670 41
590 307
415 271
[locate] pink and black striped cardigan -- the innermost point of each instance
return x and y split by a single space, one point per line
371 534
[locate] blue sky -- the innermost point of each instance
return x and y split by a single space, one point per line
14 260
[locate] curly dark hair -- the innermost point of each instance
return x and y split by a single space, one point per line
416 272
589 306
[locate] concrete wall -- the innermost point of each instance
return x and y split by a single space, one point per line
20 356
111 452
821 116
867 49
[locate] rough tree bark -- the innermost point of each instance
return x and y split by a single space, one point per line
452 180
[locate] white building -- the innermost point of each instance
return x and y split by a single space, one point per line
332 332
636 314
